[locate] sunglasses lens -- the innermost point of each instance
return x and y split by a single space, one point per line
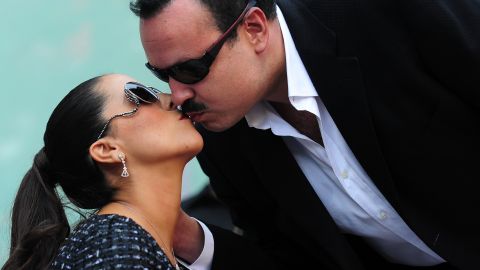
141 92
162 75
159 73
189 72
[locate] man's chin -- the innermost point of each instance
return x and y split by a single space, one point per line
216 126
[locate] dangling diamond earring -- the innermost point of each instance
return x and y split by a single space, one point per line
125 173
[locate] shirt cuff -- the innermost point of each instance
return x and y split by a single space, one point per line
204 261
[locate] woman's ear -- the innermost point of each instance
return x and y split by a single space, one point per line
105 151
256 26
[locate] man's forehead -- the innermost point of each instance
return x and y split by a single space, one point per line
177 19
177 32
180 13
157 32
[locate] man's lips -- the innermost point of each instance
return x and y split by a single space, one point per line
194 116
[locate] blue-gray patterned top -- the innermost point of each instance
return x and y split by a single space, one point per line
110 242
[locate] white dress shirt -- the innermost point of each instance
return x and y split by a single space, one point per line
340 182
204 261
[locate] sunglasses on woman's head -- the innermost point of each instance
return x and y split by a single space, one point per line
195 70
136 93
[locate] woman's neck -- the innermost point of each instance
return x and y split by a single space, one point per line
151 197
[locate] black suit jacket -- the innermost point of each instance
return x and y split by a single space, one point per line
401 80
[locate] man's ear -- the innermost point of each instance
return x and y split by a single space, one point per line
105 151
256 26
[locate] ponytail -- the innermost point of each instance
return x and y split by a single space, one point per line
39 223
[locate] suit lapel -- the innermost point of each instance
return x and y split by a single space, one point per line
339 83
278 170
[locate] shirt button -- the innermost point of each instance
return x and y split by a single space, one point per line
344 174
382 215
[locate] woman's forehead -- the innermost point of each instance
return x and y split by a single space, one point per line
113 84
112 87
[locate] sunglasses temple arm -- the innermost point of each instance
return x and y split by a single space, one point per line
215 48
115 116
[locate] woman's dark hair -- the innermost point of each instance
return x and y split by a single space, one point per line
224 12
39 222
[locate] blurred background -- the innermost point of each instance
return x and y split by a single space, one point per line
46 49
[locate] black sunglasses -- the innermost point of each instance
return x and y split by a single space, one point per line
195 70
136 93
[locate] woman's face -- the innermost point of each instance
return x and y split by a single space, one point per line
157 132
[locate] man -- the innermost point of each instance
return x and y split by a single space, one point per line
341 134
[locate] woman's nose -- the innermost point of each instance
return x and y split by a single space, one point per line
166 102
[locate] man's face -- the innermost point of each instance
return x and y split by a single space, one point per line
185 30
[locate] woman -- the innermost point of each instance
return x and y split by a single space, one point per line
115 146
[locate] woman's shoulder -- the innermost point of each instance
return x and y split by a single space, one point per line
110 242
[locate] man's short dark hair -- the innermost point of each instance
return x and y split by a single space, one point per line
224 11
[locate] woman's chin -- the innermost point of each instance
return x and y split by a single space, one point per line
195 151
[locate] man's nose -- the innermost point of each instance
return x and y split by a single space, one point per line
180 91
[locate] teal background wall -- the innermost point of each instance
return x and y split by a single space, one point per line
47 48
